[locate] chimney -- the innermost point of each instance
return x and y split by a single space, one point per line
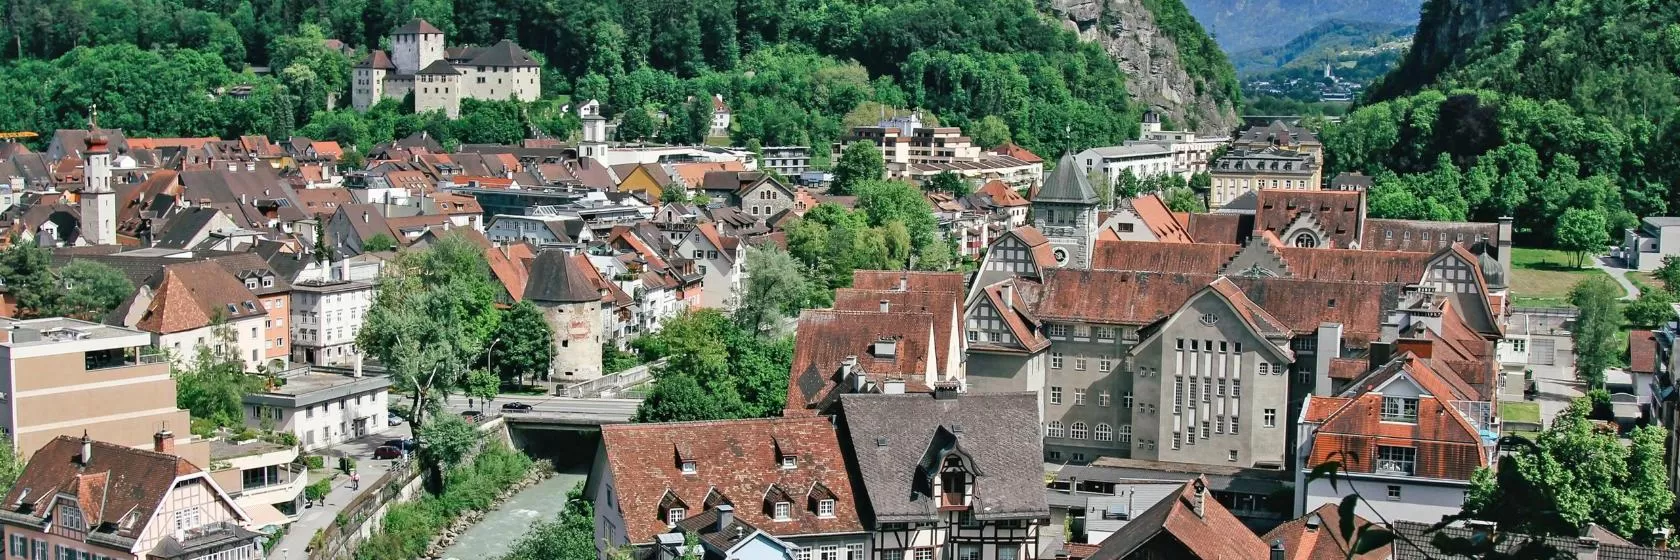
233 166
1504 243
904 283
1661 536
1586 548
860 380
87 450
725 516
1277 550
164 442
1329 337
886 306
1480 531
1008 295
945 390
1197 503
893 387
364 216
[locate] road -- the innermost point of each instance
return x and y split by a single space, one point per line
1613 266
540 404
318 516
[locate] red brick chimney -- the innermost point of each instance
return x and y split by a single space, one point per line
164 442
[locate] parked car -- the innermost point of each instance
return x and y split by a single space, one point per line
392 419
472 415
387 452
405 444
516 407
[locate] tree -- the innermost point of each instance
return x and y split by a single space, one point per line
775 289
1183 199
1105 188
570 536
614 360
91 289
11 464
673 192
1575 473
483 385
714 370
1669 274
1653 308
212 383
989 132
635 125
524 344
948 182
859 162
1582 232
1596 325
380 242
445 442
678 397
25 269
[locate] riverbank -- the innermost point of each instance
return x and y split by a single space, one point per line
409 530
500 529
441 547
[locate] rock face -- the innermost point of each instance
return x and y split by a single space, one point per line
1447 29
1150 60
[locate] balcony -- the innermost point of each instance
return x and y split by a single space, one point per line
273 484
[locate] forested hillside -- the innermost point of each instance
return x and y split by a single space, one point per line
792 70
1566 105
1364 44
1242 25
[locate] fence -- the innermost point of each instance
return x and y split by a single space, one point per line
615 383
1553 311
363 515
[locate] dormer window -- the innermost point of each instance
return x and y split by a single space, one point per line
1400 409
672 509
675 515
250 283
783 511
790 462
268 282
825 508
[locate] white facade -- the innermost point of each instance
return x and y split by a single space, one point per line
535 229
99 203
1143 160
1391 498
323 410
723 271
326 317
247 335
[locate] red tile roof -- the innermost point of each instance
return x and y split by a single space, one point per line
737 459
1220 228
914 280
1002 194
1159 219
1017 152
1214 534
1340 213
194 295
1315 536
117 481
942 305
1189 258
1423 236
826 337
1355 265
1642 352
1448 445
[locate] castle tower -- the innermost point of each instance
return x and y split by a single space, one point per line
369 75
98 201
594 143
415 46
1065 211
438 86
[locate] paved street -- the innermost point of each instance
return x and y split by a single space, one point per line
319 516
1613 266
552 405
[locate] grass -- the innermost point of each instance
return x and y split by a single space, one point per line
1644 280
1520 411
1543 277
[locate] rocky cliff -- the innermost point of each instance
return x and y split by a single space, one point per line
1446 30
1200 98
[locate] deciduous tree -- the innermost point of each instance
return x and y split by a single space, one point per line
1596 325
1583 232
91 289
859 162
524 344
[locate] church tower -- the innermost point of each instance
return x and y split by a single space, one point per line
594 143
1065 211
98 201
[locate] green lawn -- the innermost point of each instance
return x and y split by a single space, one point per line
1520 411
1543 277
1644 279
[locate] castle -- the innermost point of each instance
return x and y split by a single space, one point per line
439 76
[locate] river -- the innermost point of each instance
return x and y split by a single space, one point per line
499 529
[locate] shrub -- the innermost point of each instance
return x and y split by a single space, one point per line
314 461
409 527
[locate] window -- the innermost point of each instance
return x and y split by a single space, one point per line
1079 363
186 519
1102 398
1078 430
1208 319
1394 492
1105 432
70 517
674 515
894 554
1178 393
688 467
1396 460
1053 429
1219 424
1271 417
825 508
1056 330
1055 395
855 552
1236 388
1231 455
1205 433
924 554
967 551
1079 397
1400 409
1105 333
1055 360
1125 434
1234 424
1176 438
1126 400
1105 364
1007 553
783 510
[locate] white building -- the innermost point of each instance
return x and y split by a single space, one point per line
199 304
440 77
1191 153
322 409
721 261
545 225
1143 160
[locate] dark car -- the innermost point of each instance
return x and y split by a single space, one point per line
387 452
516 407
472 415
405 444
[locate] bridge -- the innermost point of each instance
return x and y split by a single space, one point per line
565 430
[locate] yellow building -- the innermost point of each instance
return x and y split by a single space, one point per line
647 178
1242 170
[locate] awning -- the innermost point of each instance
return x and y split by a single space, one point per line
263 515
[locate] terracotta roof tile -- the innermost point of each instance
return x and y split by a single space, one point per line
1448 445
694 174
1213 535
1233 229
193 295
1002 194
117 481
1159 219
1355 265
1315 536
1423 236
739 460
826 337
1642 352
942 305
1340 213
1189 258
920 281
1348 368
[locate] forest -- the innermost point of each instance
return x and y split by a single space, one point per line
1571 104
793 71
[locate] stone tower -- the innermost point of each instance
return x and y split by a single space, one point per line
415 46
1151 121
1065 211
98 201
438 87
594 143
369 86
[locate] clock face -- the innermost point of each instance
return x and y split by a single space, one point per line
1061 256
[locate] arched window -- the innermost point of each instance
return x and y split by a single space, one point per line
1105 433
1305 239
1053 429
1125 434
1079 431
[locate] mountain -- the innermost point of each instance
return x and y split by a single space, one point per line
1243 25
1174 65
1334 41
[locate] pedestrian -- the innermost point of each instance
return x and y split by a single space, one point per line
355 481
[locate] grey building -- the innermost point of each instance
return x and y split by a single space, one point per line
789 161
948 475
1065 211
